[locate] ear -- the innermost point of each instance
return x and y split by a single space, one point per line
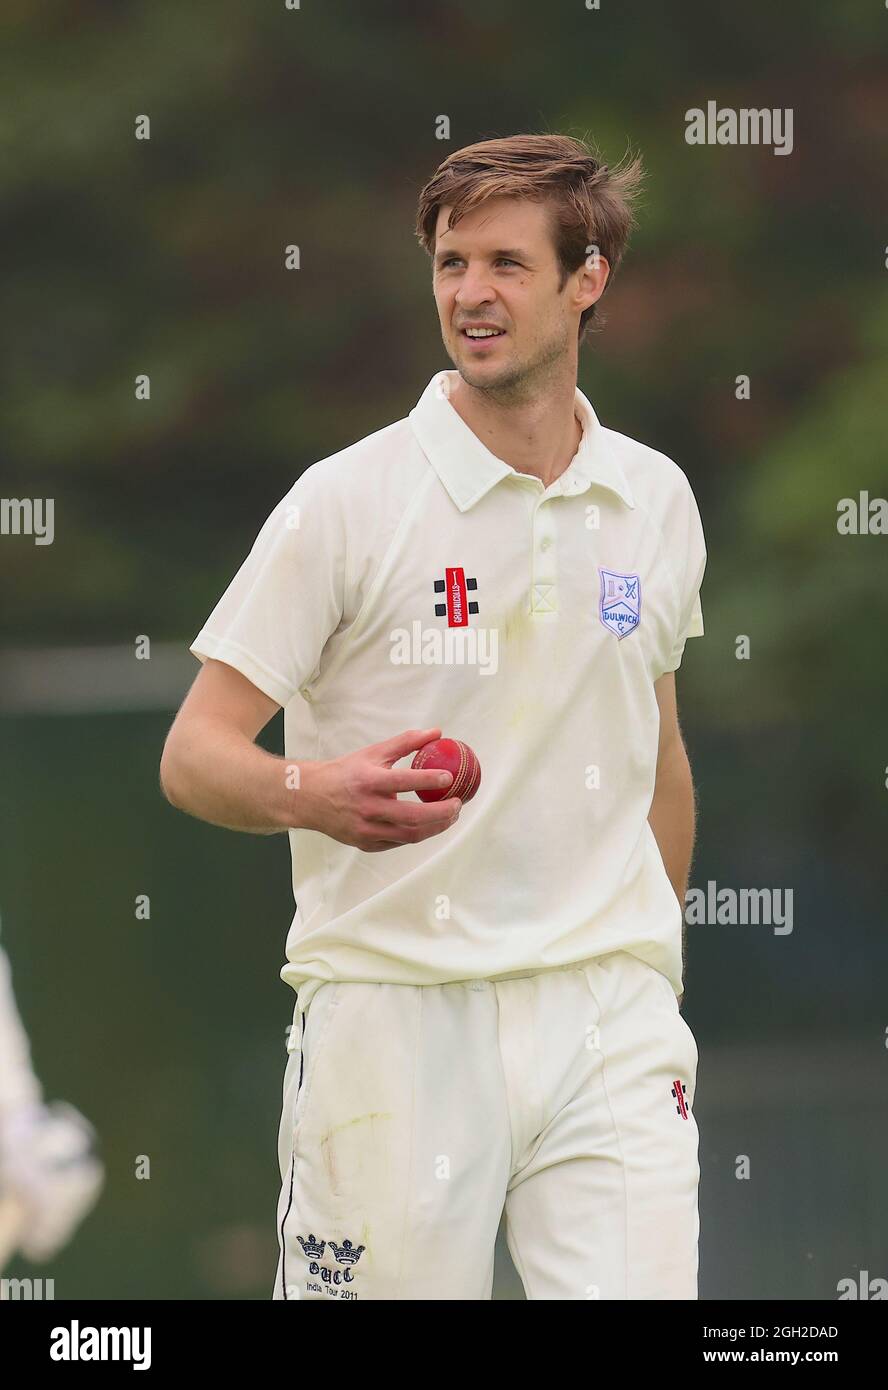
591 279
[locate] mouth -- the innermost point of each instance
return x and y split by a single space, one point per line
481 339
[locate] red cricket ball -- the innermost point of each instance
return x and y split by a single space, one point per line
456 757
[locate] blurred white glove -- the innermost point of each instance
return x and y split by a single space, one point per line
48 1163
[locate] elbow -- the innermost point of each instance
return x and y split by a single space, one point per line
170 779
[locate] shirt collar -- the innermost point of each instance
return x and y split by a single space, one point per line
468 469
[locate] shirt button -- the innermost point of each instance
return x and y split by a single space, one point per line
545 543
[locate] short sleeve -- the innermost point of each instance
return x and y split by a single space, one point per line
689 563
286 600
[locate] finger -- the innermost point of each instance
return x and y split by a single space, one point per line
406 836
432 830
413 815
385 781
391 749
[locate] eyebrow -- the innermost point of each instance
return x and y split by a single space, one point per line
514 253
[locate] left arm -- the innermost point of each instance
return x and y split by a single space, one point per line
673 813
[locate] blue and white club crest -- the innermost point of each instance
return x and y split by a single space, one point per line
620 606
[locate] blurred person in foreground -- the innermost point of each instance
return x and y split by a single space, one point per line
50 1176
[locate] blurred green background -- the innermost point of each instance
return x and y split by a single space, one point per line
316 127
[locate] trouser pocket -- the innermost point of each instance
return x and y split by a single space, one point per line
305 1042
641 1030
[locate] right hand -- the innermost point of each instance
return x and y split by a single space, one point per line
50 1170
354 799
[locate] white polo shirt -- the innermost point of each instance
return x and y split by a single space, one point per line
414 580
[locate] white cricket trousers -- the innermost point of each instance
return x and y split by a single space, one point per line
413 1115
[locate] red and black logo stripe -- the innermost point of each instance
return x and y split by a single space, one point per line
456 589
679 1091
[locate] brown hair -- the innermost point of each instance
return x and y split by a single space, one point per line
590 204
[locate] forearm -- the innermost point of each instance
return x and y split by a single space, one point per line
219 775
672 818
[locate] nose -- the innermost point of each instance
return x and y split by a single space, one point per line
474 290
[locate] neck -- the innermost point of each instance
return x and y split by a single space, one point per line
539 437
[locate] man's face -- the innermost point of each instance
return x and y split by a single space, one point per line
498 267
